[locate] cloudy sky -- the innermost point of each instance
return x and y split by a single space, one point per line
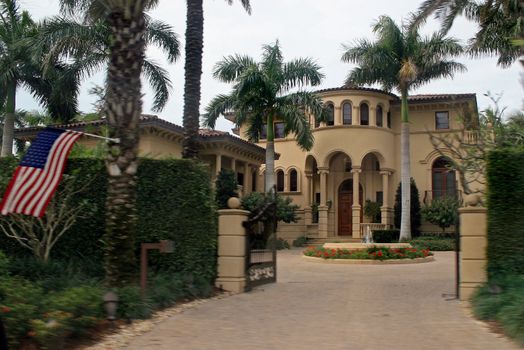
304 28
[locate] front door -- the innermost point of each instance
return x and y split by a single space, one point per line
345 201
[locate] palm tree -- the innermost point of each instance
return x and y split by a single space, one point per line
193 73
20 66
261 95
401 59
127 24
88 43
501 31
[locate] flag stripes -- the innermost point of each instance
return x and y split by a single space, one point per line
32 186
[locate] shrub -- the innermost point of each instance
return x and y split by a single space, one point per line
4 264
434 244
386 236
300 241
442 212
131 304
415 209
286 211
502 300
372 211
226 187
282 244
505 176
164 289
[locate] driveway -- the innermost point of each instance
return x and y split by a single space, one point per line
324 306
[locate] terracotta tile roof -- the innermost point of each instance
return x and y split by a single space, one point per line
211 132
357 88
440 97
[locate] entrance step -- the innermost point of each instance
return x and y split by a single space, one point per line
313 241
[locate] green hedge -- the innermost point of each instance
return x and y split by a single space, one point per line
505 175
174 202
386 236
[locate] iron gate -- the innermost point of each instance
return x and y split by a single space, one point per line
261 264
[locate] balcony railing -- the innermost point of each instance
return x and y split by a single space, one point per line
430 195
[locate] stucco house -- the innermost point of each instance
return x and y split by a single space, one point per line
356 157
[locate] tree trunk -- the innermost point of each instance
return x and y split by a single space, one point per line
270 156
124 107
9 121
193 73
405 171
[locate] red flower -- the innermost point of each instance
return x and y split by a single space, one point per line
6 309
379 253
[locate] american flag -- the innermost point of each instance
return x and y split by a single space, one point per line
37 176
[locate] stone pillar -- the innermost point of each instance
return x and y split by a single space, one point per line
234 165
247 178
232 250
218 164
323 208
308 193
372 116
473 244
385 209
355 208
356 116
338 116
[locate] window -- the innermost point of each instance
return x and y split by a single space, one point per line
280 181
364 114
347 165
279 130
442 120
376 166
330 110
389 120
263 133
443 178
379 116
293 181
380 197
347 113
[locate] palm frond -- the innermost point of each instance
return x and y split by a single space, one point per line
300 72
272 62
162 35
159 80
218 106
230 67
442 69
245 3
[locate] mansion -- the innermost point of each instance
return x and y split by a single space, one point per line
355 157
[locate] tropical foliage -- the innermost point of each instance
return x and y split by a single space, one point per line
261 95
401 59
501 27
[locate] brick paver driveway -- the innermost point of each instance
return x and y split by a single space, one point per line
317 306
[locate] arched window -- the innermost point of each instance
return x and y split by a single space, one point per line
280 181
379 116
293 180
389 120
443 178
254 181
364 114
347 113
330 120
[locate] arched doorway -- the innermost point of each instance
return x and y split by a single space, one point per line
345 202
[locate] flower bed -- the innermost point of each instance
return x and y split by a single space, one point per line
373 253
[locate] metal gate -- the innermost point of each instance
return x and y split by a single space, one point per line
261 264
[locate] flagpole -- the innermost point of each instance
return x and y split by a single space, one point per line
115 140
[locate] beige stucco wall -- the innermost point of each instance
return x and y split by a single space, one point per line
333 143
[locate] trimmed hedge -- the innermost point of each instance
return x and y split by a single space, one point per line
174 202
505 175
386 236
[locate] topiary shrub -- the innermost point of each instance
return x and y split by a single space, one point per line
372 211
226 187
415 209
442 212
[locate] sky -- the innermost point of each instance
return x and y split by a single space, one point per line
304 28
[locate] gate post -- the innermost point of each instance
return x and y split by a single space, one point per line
473 241
232 248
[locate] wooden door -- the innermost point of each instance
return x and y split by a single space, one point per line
345 201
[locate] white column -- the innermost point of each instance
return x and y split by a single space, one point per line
234 165
218 164
372 116
322 208
308 193
385 209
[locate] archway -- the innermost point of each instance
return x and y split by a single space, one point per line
345 211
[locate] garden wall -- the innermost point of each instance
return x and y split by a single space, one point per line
505 201
174 201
